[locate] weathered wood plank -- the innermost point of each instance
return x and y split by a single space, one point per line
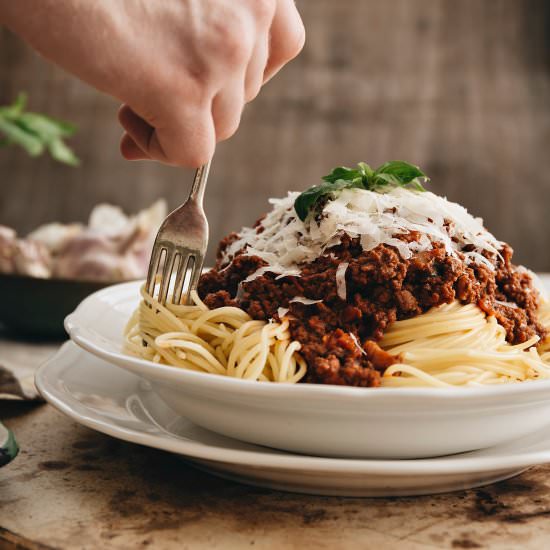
74 488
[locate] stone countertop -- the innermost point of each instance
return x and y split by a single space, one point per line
71 487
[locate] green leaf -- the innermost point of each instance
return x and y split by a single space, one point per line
308 200
398 172
343 173
384 179
36 132
366 170
62 153
45 127
20 103
16 108
22 137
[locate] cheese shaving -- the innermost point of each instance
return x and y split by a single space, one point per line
282 311
341 280
285 242
356 341
305 301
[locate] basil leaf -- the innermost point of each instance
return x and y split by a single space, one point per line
16 108
380 180
45 127
402 172
22 137
396 173
306 201
343 173
62 153
35 132
366 171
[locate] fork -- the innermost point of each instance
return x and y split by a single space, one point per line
181 241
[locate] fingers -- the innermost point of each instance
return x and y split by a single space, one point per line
287 37
135 142
130 150
184 143
188 139
254 78
227 108
179 121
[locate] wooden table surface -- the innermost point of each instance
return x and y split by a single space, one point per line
71 487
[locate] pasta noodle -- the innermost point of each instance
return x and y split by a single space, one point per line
459 345
544 318
451 345
222 341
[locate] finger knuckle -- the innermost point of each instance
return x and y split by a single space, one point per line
234 49
263 10
233 41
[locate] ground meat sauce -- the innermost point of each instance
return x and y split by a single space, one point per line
339 337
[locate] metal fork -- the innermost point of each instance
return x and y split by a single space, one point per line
181 241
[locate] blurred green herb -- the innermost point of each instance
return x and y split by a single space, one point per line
36 133
396 173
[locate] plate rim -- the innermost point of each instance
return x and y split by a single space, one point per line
284 461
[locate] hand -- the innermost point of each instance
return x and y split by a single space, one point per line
183 68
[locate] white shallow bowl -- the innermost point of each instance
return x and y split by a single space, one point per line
116 402
315 419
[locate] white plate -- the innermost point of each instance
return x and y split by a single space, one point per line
318 419
118 403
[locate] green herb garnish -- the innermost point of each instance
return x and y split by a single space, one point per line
396 173
35 132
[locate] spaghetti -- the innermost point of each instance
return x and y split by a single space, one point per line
224 341
544 317
451 345
458 345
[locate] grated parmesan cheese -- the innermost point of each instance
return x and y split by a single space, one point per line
356 341
375 218
305 301
341 289
282 311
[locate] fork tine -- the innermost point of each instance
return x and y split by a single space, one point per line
195 275
166 275
180 278
153 269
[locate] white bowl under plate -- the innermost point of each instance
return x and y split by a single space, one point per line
116 402
319 419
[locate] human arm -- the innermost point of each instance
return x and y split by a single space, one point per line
183 69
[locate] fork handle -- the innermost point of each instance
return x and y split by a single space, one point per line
199 183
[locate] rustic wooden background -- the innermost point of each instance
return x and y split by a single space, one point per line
460 88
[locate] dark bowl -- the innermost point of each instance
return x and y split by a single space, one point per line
37 307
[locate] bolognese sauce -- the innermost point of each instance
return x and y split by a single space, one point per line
339 336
